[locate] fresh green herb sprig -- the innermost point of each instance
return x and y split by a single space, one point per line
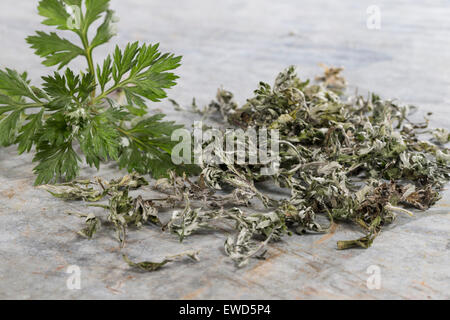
102 110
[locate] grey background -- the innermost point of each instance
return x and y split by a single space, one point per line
237 44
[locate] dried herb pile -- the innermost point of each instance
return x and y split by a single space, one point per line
348 158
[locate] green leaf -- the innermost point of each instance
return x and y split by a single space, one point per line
55 130
104 74
106 31
161 163
55 86
140 112
14 85
14 88
28 133
99 141
68 88
148 54
134 99
149 75
54 152
73 2
116 114
7 108
154 127
55 50
9 126
55 162
150 147
124 61
148 160
152 86
85 87
55 12
94 8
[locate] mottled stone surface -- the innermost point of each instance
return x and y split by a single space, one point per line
236 44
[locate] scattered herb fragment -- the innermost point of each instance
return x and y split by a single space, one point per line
149 266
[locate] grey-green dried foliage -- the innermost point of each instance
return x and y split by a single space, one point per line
100 112
123 211
347 158
148 266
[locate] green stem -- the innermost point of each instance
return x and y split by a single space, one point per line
90 61
110 90
29 105
88 54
